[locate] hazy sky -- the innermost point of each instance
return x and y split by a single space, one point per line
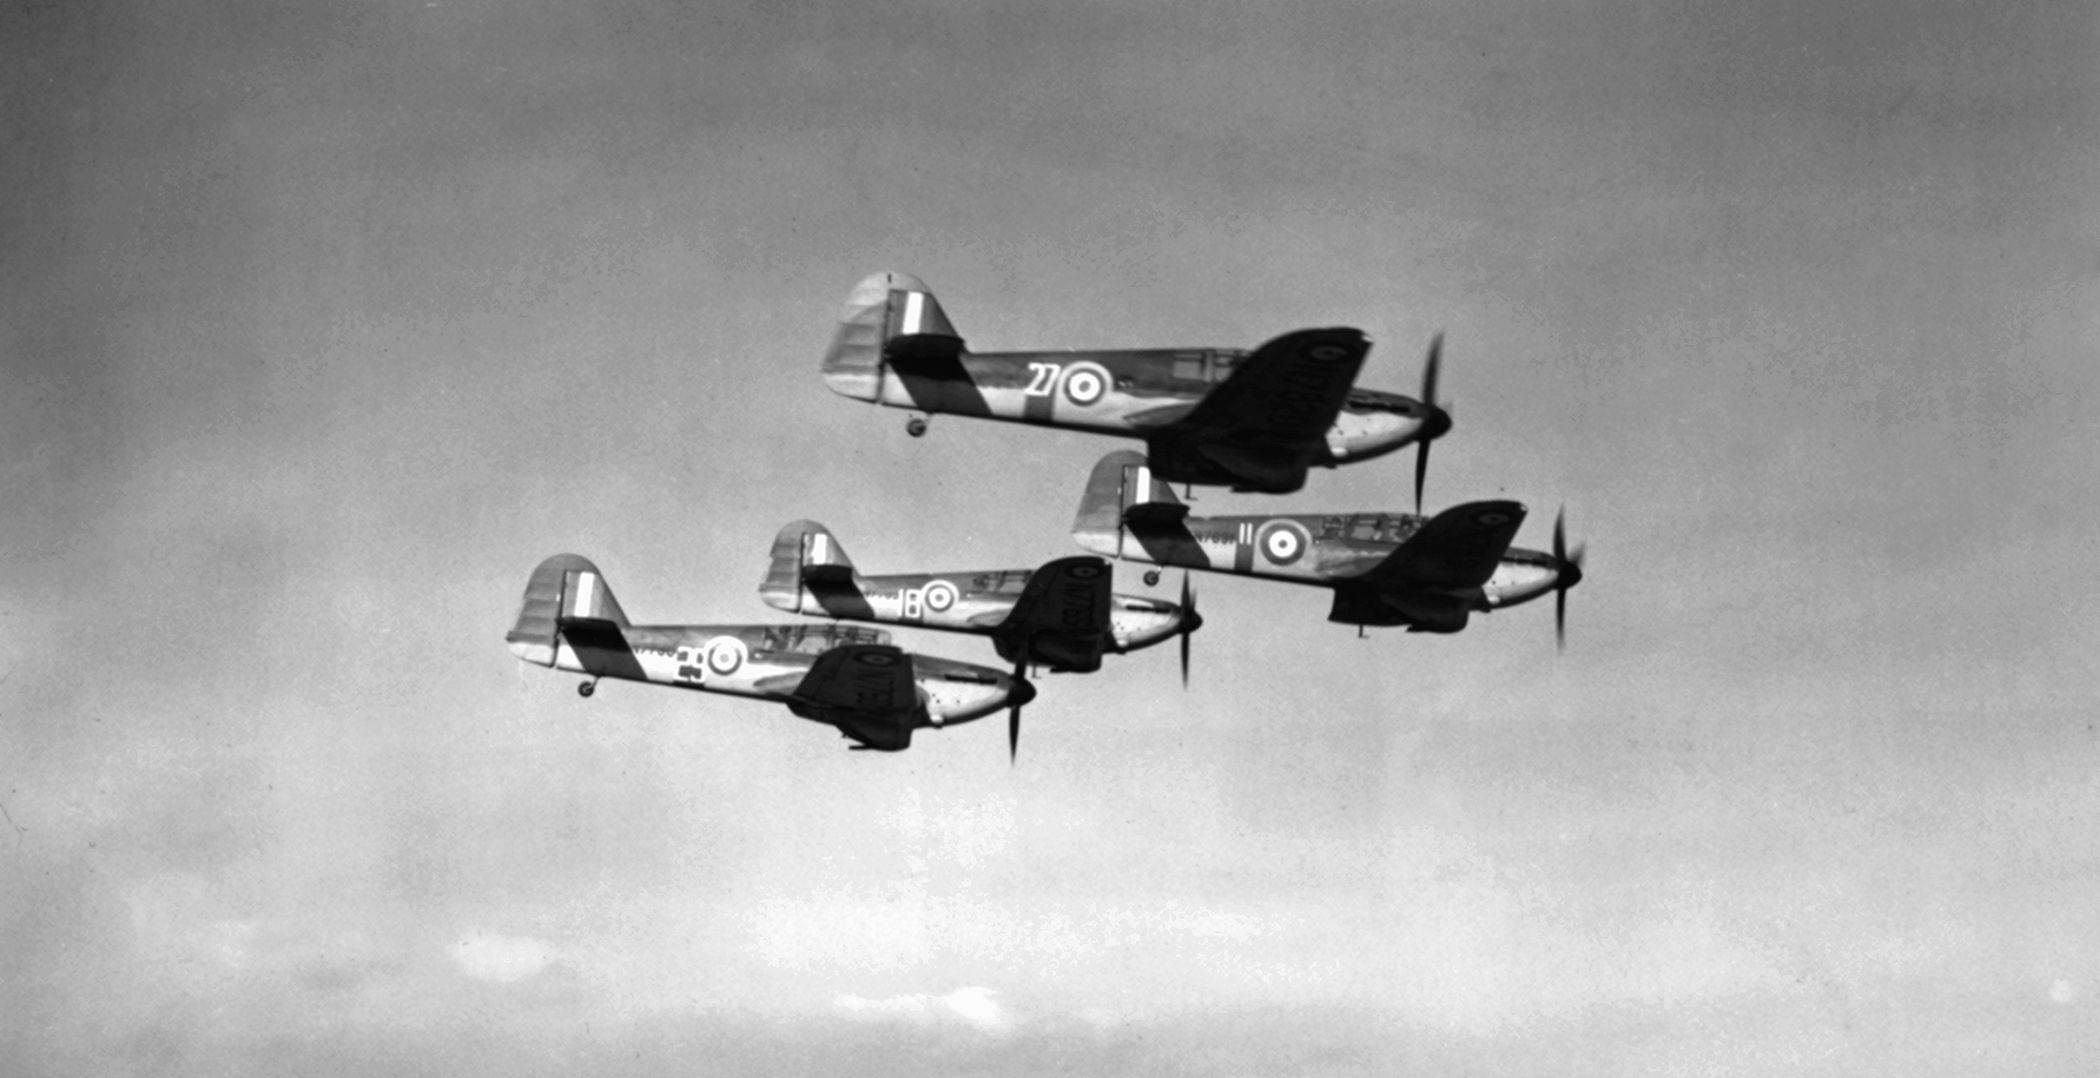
324 322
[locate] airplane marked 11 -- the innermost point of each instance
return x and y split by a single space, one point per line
1392 569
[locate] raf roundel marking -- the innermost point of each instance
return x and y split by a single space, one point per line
1282 541
1086 383
1327 353
1085 572
1492 519
725 656
876 658
940 595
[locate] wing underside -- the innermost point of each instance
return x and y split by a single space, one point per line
1458 548
1062 615
1285 395
866 690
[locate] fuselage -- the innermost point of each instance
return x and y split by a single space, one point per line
1128 393
976 602
768 662
1326 550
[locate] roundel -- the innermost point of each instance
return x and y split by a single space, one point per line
876 658
1327 353
725 655
940 595
1493 518
1086 383
1282 541
1085 572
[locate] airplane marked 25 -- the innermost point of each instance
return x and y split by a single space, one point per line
846 676
1254 421
1392 569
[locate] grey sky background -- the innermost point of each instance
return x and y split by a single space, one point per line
324 323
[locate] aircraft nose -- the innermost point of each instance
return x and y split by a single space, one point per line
1019 692
1570 574
1435 424
1190 621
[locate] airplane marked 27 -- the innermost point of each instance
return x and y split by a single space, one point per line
846 676
1254 421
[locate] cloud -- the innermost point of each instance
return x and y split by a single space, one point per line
501 959
973 1006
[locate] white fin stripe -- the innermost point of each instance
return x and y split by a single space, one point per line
914 308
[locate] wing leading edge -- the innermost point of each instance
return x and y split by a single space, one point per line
1264 424
1459 548
866 690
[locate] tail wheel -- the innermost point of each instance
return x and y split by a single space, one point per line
915 427
1151 578
586 689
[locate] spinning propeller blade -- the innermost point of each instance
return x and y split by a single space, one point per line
1438 420
1190 620
1013 716
1567 574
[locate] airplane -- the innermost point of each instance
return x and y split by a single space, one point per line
1062 614
846 676
1386 569
1253 421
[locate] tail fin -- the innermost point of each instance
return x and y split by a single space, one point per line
1121 489
804 552
564 586
885 313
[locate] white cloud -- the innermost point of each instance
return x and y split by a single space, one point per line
501 959
972 1005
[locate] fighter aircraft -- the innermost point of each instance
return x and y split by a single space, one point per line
846 676
1254 421
1062 614
1425 573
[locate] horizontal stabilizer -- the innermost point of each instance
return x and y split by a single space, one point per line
602 648
1155 514
923 348
817 576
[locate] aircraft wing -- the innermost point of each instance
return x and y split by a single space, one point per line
1284 396
866 690
1459 548
1069 595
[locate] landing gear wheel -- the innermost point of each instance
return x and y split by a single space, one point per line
1151 578
586 689
915 427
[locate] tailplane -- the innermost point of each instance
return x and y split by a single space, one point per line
804 553
888 316
564 587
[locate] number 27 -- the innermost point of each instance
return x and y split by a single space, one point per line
1042 379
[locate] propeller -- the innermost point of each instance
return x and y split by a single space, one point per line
1013 716
1567 574
1437 421
1190 622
